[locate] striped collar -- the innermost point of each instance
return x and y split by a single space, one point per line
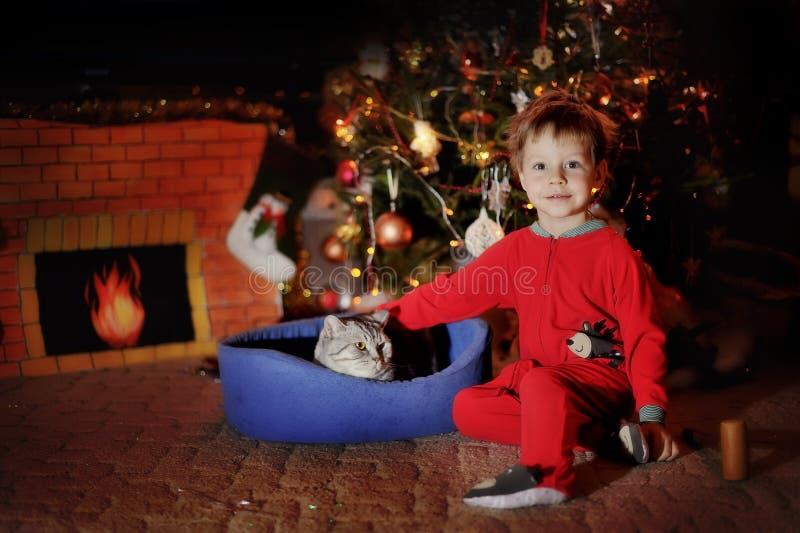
586 227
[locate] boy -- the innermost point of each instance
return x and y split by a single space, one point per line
590 347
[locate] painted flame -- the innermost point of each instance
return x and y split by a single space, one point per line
115 304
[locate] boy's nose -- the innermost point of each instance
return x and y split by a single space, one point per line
557 177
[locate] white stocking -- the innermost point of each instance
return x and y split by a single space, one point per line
260 254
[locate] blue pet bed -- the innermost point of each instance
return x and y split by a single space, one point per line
272 391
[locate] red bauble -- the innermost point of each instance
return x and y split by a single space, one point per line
392 231
333 249
347 174
329 300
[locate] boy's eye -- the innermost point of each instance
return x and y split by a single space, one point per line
572 164
538 166
361 345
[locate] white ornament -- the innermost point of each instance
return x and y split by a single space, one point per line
520 100
498 194
373 61
425 142
482 233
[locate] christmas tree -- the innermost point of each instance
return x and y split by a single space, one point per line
419 122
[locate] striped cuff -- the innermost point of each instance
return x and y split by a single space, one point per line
652 413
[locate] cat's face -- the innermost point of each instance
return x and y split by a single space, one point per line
356 346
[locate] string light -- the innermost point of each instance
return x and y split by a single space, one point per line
126 111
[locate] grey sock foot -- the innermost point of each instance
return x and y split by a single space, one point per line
634 443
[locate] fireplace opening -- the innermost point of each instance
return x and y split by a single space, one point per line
114 298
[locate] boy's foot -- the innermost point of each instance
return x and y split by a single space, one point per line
516 487
634 443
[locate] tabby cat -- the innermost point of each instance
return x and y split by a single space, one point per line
373 346
356 345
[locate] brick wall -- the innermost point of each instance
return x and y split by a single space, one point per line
64 185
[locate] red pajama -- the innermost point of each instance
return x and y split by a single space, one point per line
553 404
556 286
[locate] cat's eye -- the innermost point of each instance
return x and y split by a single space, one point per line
361 345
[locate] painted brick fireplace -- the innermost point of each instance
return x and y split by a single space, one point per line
66 186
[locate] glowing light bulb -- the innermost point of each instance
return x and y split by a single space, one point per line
425 142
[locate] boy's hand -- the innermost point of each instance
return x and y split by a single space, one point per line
663 446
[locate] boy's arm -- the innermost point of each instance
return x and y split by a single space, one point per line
643 337
482 284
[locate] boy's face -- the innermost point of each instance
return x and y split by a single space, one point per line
558 174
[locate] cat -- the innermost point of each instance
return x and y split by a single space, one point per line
374 346
356 345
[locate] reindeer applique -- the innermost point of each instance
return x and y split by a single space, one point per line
596 341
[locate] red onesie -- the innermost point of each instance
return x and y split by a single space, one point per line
588 278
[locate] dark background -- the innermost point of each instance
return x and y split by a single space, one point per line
279 51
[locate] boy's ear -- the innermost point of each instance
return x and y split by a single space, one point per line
601 172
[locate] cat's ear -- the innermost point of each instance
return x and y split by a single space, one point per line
332 324
381 316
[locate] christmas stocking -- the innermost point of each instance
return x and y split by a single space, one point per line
252 239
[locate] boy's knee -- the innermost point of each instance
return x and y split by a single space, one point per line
461 407
466 409
543 383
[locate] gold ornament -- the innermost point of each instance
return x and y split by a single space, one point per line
333 249
348 231
542 57
413 56
392 231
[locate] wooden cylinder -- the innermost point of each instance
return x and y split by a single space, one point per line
733 440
